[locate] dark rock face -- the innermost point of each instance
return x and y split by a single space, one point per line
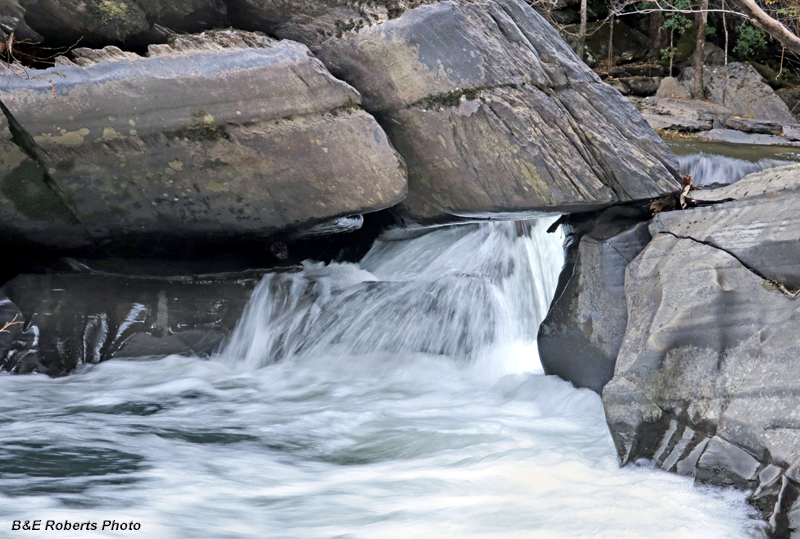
493 112
581 335
641 86
629 44
706 377
12 19
220 135
73 319
104 22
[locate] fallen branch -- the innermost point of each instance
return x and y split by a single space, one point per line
7 325
792 295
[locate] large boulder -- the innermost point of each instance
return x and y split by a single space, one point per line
74 319
219 135
741 88
490 108
581 335
671 87
707 377
493 112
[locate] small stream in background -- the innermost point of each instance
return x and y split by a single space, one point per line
721 163
408 402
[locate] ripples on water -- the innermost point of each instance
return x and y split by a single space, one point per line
409 403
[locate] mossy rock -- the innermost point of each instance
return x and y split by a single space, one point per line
788 79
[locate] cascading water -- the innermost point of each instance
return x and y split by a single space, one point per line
460 292
708 169
397 398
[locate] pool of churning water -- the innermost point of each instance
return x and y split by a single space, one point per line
398 398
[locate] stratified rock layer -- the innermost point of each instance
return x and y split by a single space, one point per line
226 134
79 319
707 375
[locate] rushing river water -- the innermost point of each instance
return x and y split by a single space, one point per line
408 403
722 163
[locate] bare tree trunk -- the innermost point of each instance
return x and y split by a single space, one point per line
770 25
582 31
725 27
699 50
611 46
657 32
671 49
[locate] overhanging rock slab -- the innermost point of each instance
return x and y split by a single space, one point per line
219 135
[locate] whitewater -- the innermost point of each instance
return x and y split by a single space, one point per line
401 397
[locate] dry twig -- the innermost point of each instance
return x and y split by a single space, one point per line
7 325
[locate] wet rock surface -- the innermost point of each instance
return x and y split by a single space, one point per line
582 333
706 377
222 135
73 319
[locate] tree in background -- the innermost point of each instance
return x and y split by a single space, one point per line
582 30
668 22
699 50
773 23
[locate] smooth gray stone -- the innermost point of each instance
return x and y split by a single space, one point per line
493 112
762 235
725 464
711 343
753 126
581 335
221 135
670 87
659 121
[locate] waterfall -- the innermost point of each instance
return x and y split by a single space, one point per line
458 292
708 169
394 398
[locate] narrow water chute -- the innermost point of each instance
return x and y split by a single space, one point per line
459 292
